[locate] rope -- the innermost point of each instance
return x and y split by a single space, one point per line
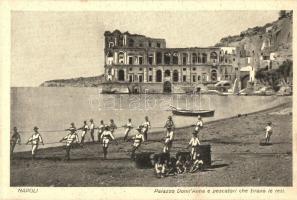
121 127
43 143
46 131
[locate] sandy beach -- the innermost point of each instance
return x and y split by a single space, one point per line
237 158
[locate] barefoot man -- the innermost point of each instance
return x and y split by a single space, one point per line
105 138
70 139
35 139
15 138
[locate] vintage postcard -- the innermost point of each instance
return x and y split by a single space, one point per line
147 100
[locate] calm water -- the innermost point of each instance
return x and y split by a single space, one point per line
55 108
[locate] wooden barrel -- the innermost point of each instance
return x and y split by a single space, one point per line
144 160
205 154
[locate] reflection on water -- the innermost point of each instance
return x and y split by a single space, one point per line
56 108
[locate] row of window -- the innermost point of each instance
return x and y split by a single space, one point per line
150 69
131 43
139 78
167 58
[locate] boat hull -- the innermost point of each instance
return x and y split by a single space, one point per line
202 113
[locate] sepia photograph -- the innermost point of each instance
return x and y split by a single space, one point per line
204 102
185 102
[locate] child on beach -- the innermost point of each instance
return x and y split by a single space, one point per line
188 164
268 132
179 165
160 167
171 168
197 165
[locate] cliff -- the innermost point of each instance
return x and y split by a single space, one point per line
275 37
75 82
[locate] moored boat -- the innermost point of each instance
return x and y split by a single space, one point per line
186 112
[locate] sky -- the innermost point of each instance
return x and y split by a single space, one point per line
58 45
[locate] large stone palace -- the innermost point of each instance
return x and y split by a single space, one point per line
139 60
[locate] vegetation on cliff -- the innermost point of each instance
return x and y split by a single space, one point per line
276 77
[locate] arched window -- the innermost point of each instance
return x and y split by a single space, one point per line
214 75
194 58
167 73
159 76
167 58
175 58
121 75
213 55
121 58
204 58
175 76
131 43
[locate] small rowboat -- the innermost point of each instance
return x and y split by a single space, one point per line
186 112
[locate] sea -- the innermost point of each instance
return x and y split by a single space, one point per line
53 109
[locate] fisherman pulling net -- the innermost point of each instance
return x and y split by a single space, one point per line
164 166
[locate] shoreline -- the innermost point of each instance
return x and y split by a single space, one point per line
237 158
206 92
183 128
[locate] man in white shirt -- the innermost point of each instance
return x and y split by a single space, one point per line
138 139
194 143
268 132
145 126
70 139
169 135
35 139
105 137
128 127
92 129
199 124
101 128
84 129
112 126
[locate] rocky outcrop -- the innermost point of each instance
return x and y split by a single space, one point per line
75 82
275 37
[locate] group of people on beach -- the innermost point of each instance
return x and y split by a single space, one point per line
163 165
105 134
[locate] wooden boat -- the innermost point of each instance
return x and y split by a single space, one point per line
186 112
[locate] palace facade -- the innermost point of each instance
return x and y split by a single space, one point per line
133 58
